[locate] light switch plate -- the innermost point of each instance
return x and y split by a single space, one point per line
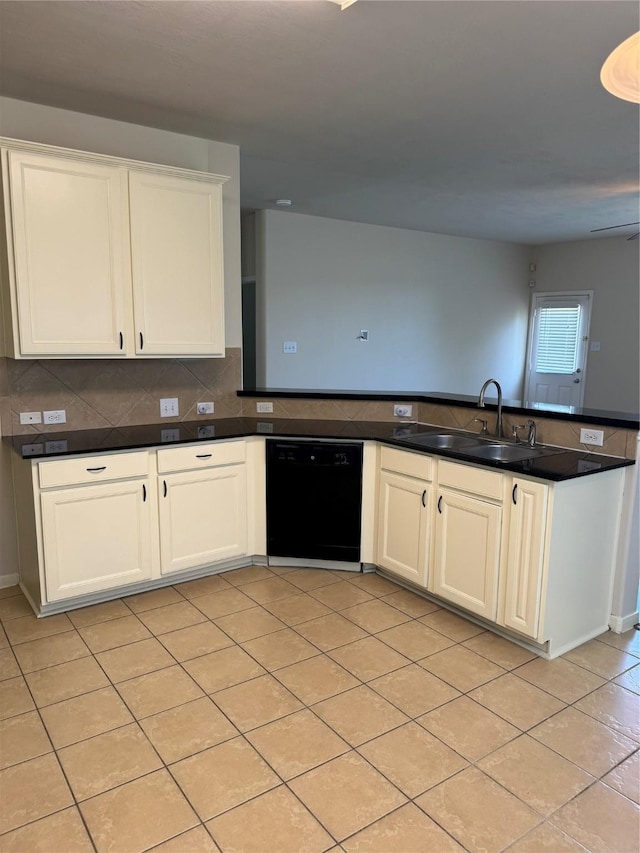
289 346
169 407
264 408
55 416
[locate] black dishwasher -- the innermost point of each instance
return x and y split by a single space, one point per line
314 500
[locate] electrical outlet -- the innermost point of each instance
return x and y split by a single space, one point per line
264 408
289 346
56 416
30 417
402 411
205 408
169 407
592 436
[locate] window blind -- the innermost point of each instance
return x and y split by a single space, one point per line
558 330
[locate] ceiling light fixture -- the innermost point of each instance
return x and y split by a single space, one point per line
620 73
344 4
284 202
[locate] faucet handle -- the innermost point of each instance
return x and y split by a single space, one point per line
514 431
482 421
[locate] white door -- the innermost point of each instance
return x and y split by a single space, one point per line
402 536
557 358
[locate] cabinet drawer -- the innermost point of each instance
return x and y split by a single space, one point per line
201 456
92 469
469 479
412 464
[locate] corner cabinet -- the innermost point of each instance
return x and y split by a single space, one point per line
108 257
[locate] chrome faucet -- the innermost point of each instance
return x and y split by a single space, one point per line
481 403
531 438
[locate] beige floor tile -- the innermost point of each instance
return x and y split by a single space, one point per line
62 831
615 707
108 760
412 759
506 654
452 626
223 777
187 729
269 589
15 697
630 679
297 743
602 659
368 658
135 659
203 586
249 624
330 631
13 608
522 704
138 815
537 775
85 716
4 642
602 820
21 738
222 669
561 678
114 633
627 642
154 598
373 583
297 608
277 816
98 613
545 838
307 579
415 640
32 790
406 830
467 727
195 840
589 744
39 654
339 596
222 602
256 702
414 690
158 691
625 778
410 603
279 649
316 679
195 641
10 591
478 812
66 680
8 665
360 715
346 794
461 668
162 620
28 628
375 615
249 574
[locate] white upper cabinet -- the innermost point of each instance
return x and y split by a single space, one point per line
68 223
109 257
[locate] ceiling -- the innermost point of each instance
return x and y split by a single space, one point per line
474 118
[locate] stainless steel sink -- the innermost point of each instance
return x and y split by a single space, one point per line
442 441
507 452
479 447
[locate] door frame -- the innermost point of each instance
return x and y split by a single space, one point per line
559 294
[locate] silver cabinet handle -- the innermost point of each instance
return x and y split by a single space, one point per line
97 470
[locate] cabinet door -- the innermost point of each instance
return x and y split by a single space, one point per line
176 248
525 556
403 526
68 221
95 537
467 552
203 517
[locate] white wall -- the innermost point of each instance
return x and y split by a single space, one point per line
37 123
443 313
611 268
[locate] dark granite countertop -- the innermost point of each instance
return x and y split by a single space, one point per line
623 420
563 465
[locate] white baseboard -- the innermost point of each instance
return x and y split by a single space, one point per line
9 580
621 624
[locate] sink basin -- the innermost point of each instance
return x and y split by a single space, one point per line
442 441
479 447
506 452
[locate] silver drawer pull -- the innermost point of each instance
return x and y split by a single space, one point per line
97 470
204 455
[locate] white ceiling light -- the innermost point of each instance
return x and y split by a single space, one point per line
620 73
344 4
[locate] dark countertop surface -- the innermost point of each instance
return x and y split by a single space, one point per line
624 420
563 465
